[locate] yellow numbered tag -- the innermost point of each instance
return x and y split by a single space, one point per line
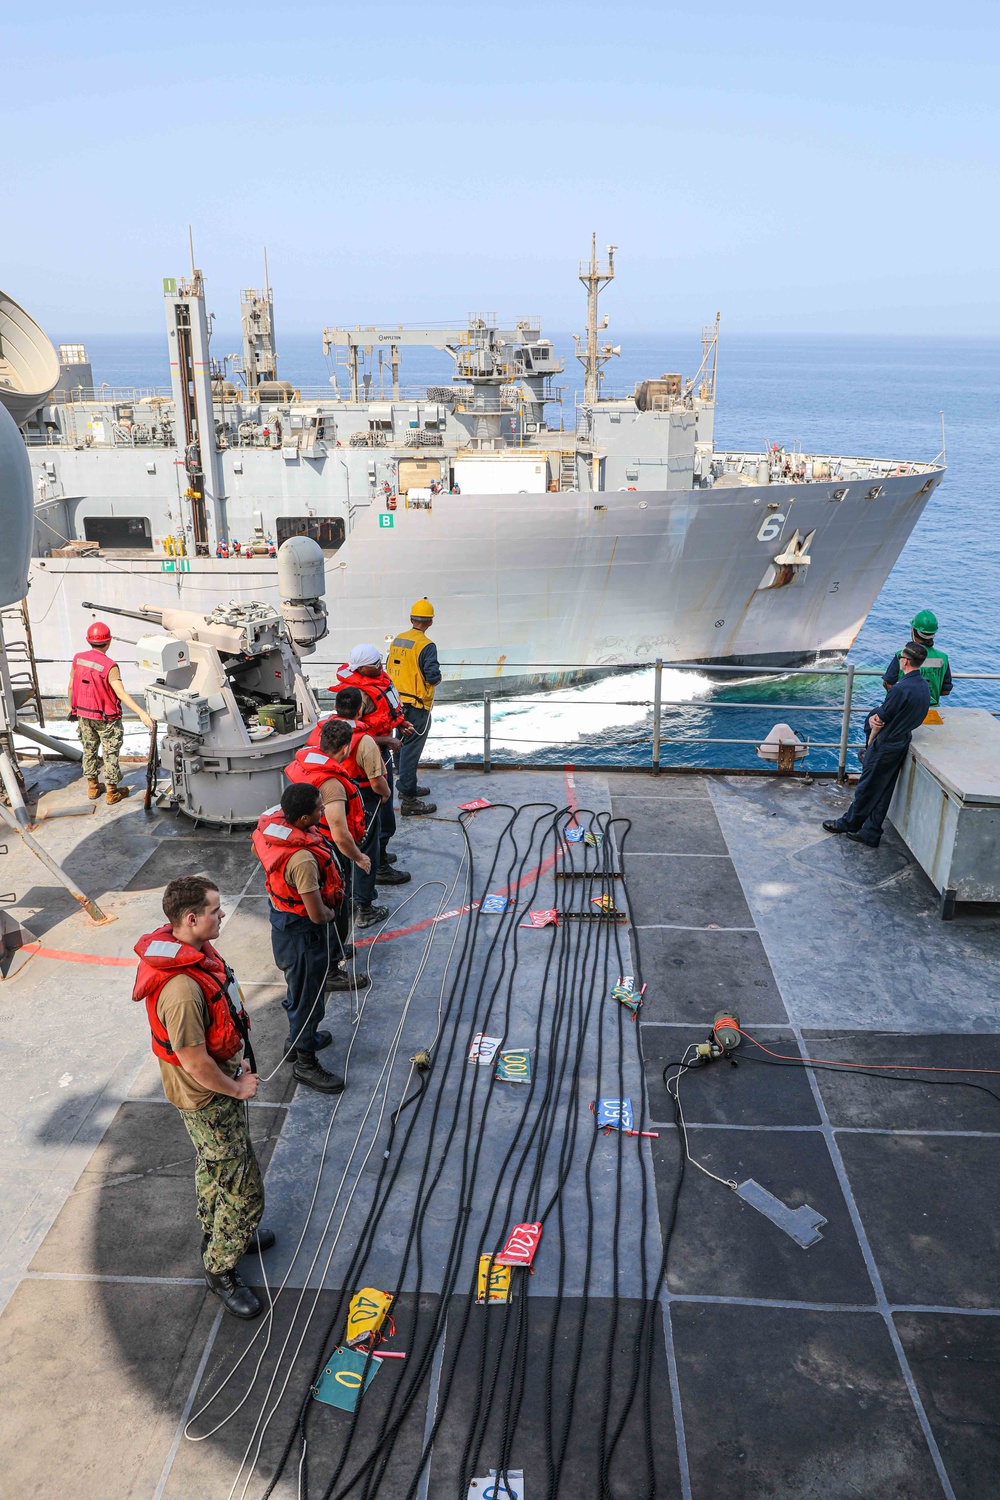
367 1313
499 1280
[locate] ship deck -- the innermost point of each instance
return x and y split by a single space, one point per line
671 1338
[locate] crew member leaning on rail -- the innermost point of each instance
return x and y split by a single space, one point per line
892 726
96 695
200 1035
415 671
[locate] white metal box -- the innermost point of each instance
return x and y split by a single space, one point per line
946 806
160 654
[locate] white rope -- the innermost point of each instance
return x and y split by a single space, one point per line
683 1067
272 1301
263 1421
312 1204
355 1014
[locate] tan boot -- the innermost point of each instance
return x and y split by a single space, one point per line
94 788
116 794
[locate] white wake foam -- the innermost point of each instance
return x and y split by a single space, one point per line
564 716
524 726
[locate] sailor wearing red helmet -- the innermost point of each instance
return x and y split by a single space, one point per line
96 696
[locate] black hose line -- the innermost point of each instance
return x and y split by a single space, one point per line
439 1132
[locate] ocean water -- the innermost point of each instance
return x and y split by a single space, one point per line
867 396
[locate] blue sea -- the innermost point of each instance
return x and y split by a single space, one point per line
867 396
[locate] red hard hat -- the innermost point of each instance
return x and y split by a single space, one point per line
98 633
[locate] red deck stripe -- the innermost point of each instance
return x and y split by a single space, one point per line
462 911
106 960
78 958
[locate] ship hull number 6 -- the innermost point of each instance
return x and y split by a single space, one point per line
771 527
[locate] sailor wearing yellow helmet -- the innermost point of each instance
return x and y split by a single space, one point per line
412 664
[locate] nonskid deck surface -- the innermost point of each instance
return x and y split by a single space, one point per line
738 1364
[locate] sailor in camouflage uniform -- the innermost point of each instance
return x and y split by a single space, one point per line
200 1034
227 1180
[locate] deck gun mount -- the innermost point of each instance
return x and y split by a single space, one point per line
229 690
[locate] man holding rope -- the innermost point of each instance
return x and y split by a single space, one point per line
200 1035
309 922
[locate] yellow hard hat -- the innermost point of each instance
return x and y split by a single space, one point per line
422 610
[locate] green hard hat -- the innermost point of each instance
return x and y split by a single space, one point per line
925 622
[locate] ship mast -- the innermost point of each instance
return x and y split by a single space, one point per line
595 277
260 360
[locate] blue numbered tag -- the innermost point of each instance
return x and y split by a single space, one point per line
574 835
614 1114
494 904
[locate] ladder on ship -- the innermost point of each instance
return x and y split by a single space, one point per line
567 470
18 648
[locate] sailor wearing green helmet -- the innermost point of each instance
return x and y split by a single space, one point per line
935 670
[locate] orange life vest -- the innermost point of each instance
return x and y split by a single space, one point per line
93 695
315 768
349 762
162 958
387 712
275 841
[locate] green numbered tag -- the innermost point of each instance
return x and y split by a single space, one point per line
515 1066
341 1379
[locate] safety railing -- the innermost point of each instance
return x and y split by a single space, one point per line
843 710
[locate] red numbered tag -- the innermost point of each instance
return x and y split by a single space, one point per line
522 1242
542 919
476 806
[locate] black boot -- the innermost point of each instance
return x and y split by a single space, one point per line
388 858
235 1296
321 1039
834 825
412 807
342 979
306 1069
421 791
386 875
368 916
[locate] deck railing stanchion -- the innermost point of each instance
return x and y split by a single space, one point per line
845 725
487 726
657 703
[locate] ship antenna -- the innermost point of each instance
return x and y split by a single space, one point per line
267 284
595 278
191 248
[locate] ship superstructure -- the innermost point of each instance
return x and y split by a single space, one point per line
601 534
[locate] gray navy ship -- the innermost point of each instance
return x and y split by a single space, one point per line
554 548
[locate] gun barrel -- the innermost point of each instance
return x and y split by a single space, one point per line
150 616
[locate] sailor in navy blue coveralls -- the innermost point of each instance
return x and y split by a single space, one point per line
905 706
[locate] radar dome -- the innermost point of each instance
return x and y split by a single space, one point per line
29 366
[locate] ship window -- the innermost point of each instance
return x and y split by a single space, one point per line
327 530
118 531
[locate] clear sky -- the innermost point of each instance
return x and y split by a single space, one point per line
803 167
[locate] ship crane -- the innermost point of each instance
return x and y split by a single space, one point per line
355 339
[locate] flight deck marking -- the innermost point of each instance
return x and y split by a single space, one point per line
37 950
